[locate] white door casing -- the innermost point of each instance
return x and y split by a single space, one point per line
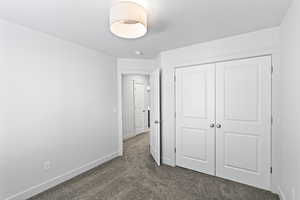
243 109
195 114
155 137
139 105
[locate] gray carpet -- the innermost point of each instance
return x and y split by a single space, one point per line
136 177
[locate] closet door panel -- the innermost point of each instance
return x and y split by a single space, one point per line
243 113
195 112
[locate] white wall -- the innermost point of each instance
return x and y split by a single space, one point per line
247 45
56 104
290 110
128 105
136 65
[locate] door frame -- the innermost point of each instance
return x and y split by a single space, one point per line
120 105
233 58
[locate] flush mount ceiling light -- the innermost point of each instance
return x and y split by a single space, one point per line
128 20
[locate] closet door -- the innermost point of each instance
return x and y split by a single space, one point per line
243 127
195 116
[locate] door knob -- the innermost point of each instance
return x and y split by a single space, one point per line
212 125
219 126
156 122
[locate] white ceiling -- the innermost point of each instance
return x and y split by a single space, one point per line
172 23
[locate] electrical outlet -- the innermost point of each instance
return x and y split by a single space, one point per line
293 194
47 165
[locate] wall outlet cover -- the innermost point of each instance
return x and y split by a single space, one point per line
47 165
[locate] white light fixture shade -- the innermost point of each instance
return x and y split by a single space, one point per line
128 20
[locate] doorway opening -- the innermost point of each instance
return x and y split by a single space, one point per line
139 110
135 105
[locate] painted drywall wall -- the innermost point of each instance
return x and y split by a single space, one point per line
136 65
290 98
128 103
57 103
247 45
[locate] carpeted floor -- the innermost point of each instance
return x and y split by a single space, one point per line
136 177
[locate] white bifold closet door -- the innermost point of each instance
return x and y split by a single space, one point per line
243 110
223 120
195 114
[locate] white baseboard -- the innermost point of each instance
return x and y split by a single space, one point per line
281 194
30 192
168 161
147 130
128 137
134 134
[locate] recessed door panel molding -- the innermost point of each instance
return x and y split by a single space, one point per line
195 112
246 161
243 110
242 85
191 139
194 106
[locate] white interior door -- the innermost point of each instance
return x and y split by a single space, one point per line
243 113
195 117
139 103
155 115
128 107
